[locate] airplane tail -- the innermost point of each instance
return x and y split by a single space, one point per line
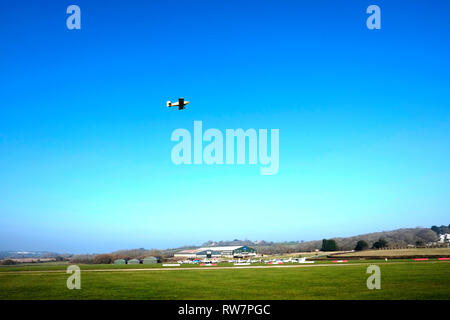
169 104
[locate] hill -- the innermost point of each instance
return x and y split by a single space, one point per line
398 237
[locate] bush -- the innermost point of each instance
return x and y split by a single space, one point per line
103 259
361 245
381 243
82 258
441 230
329 245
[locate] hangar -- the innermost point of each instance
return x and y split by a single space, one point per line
209 252
120 261
151 260
134 261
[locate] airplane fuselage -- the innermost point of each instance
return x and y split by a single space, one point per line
180 104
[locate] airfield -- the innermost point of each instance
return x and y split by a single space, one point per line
400 279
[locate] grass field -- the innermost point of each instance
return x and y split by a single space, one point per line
399 280
62 266
428 252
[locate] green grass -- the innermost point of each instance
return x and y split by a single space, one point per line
426 252
405 280
63 265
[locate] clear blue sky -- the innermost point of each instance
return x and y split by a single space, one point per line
364 119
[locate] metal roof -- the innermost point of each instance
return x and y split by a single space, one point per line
224 248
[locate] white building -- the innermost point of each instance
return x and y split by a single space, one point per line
444 238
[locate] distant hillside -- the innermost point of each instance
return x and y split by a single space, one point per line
394 237
27 254
441 229
398 237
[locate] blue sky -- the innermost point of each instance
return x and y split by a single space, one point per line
85 144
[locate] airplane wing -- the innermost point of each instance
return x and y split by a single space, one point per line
180 104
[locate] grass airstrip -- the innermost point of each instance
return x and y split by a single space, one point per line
400 279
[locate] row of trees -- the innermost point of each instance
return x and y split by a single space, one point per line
441 230
395 238
121 254
363 245
105 258
331 245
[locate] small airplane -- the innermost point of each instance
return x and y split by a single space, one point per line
180 104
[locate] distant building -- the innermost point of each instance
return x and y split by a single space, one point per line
134 261
120 261
444 238
150 260
210 252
